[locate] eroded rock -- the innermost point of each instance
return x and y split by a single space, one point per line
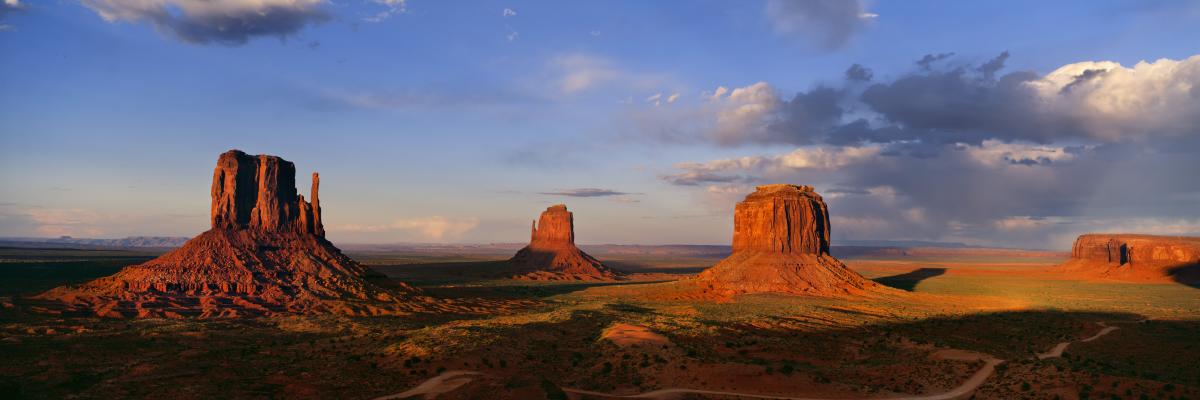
266 254
552 254
781 245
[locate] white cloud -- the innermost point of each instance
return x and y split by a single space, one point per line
508 12
994 153
745 112
1113 101
512 35
672 98
581 72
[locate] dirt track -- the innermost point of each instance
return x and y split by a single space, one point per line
451 380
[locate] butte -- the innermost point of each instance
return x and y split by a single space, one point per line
266 254
781 245
1133 257
552 255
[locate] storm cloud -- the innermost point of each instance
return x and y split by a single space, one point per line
970 153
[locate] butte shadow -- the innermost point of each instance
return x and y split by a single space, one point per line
265 254
909 280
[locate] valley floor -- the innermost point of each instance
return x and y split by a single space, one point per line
947 319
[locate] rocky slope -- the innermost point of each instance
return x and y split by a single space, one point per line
781 245
1135 257
266 254
552 254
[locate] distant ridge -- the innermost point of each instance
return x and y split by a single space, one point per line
128 241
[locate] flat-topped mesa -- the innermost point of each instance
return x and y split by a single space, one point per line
259 192
1135 257
552 254
781 245
555 227
782 218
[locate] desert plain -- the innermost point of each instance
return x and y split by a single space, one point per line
951 311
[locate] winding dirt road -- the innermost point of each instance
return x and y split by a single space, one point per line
451 380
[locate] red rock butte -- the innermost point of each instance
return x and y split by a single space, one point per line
781 245
552 254
1135 257
265 254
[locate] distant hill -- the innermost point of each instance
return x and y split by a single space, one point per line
67 241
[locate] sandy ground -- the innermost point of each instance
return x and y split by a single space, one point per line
626 335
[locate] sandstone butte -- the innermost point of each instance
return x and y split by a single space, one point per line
1135 257
781 245
265 254
552 254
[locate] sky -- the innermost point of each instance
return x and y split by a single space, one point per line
1014 123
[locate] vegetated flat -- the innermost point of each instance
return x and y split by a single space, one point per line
950 311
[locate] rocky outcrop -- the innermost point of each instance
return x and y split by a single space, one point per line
552 254
1132 256
266 254
259 192
781 245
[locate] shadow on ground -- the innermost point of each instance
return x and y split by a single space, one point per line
1187 274
909 280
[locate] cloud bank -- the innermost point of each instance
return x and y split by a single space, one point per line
966 151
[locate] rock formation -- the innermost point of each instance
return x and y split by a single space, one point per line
265 254
552 254
1134 257
781 245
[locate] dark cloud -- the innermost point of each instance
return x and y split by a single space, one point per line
989 69
587 192
828 23
858 73
696 178
204 22
928 60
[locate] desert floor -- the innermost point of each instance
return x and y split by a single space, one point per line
949 323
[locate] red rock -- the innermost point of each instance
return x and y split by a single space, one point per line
781 245
1131 256
266 254
552 254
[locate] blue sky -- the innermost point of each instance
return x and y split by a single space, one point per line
458 122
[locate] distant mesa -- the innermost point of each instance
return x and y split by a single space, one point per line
1135 257
265 254
781 245
552 254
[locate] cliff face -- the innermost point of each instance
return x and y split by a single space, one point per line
781 245
1134 257
552 254
784 219
266 254
554 228
1136 249
259 192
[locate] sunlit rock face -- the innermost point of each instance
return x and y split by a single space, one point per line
552 254
259 192
1135 257
266 254
781 245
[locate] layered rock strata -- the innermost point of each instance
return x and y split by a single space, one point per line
552 254
1135 257
265 254
781 245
